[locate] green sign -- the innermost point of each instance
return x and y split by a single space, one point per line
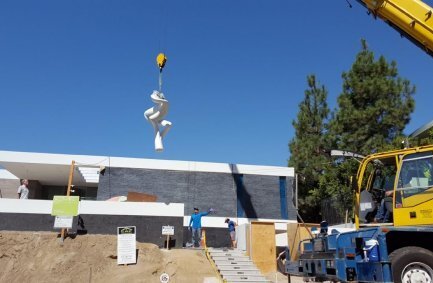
65 206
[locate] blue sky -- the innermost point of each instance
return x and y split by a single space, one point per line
75 77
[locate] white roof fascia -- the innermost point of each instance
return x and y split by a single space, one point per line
50 158
141 163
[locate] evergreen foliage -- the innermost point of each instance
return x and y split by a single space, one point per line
426 139
372 111
307 148
375 105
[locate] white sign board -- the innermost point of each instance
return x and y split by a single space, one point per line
168 230
63 222
126 245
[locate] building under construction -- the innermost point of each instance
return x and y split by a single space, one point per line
241 192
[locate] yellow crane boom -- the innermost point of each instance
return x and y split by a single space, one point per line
412 18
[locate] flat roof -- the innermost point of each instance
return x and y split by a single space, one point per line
53 169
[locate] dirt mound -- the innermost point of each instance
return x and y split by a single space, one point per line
39 257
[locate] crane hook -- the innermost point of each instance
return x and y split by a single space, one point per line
161 59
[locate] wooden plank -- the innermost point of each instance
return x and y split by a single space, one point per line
293 239
71 178
141 197
263 249
63 233
296 232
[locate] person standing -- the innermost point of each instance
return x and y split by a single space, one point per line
196 225
23 190
232 230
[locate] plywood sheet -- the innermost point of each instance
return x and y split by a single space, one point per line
296 232
263 250
293 239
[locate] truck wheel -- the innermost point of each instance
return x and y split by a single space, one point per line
412 264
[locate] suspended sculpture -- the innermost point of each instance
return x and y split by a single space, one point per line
155 116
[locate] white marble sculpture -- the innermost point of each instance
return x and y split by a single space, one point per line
155 116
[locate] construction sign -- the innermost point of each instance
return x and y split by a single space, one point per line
65 206
126 245
168 230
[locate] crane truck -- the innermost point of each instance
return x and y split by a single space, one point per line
397 245
400 249
413 19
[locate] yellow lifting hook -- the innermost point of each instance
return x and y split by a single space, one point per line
161 59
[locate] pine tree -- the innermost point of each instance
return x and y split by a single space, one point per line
375 104
307 148
373 110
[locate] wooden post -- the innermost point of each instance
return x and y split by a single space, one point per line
168 241
68 193
71 177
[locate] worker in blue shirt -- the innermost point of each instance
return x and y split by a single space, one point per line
232 230
196 225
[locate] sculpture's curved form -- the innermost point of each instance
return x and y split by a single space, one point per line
155 116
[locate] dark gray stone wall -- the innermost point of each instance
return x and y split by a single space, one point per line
194 189
215 237
263 193
26 222
148 227
200 189
291 209
262 199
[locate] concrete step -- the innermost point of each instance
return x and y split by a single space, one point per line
219 249
236 267
229 254
246 278
226 252
228 258
242 264
240 272
213 250
225 262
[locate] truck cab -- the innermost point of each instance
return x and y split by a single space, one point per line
401 182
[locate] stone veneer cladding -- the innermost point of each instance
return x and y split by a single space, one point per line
200 189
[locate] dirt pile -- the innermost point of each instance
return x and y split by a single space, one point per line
39 257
